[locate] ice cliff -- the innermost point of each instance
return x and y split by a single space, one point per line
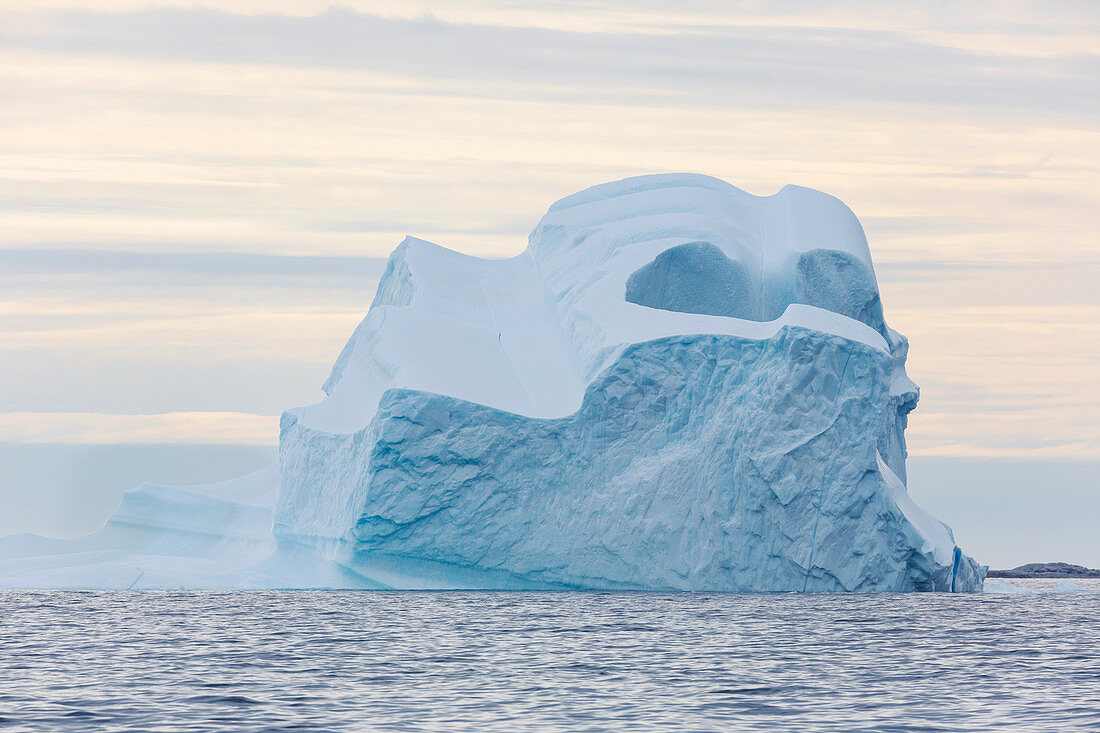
677 385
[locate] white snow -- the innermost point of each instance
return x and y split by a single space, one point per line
527 334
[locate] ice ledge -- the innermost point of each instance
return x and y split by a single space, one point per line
659 324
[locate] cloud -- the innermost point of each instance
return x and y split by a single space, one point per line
183 265
175 427
197 197
776 66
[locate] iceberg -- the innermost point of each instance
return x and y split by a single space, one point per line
676 386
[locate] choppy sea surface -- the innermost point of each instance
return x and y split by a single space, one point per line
452 661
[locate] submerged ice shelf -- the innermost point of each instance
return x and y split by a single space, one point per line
677 385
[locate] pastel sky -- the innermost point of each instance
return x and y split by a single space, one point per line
196 198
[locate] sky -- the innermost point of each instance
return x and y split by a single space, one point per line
197 198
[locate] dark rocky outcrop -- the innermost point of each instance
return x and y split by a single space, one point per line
1046 570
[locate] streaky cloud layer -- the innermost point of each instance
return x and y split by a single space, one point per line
172 171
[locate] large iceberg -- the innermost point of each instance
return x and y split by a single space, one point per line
676 386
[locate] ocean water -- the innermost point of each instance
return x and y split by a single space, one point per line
453 661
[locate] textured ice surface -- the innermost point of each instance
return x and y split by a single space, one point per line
677 385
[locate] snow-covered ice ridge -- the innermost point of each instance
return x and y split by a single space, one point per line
677 385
